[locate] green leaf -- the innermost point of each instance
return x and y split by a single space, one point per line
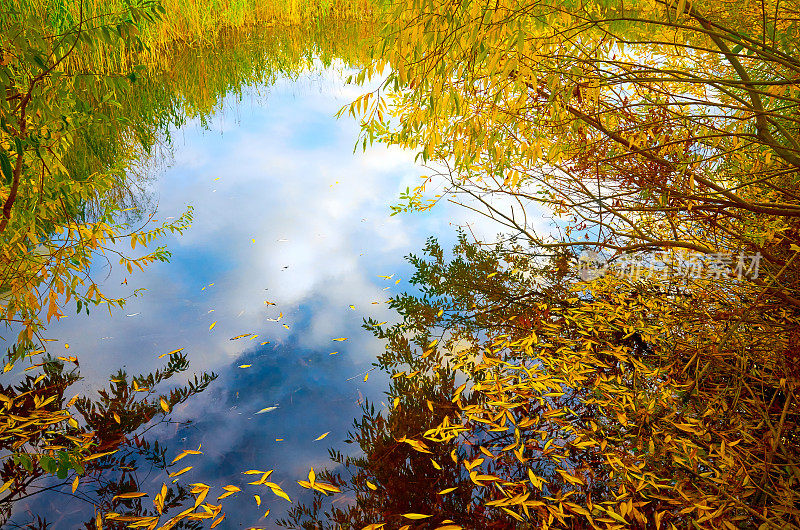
5 166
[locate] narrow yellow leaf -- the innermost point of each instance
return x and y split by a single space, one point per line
415 516
132 495
321 436
181 472
164 405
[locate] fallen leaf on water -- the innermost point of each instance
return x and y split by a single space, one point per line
321 436
265 342
267 409
245 365
241 336
170 353
212 325
181 472
132 495
340 339
333 353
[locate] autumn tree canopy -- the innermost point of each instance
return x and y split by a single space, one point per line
664 138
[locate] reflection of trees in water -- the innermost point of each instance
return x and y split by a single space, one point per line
103 444
448 336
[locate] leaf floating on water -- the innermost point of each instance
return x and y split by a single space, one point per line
66 346
181 472
173 352
258 500
132 495
321 436
240 336
278 439
187 452
353 307
447 490
265 342
415 516
133 314
267 409
287 327
75 483
165 406
366 376
266 513
371 486
340 339
386 277
333 353
245 365
212 325
280 316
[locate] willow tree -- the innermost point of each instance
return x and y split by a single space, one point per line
657 132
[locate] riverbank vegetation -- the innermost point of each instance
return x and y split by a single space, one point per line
665 139
633 365
90 92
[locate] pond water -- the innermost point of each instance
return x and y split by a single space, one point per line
291 242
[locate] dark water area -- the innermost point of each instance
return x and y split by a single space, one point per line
292 245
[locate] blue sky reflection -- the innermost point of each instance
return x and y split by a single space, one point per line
285 212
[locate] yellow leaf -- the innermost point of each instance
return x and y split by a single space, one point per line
245 365
212 325
181 472
132 495
75 483
340 339
170 353
7 485
371 486
164 405
258 500
415 516
280 493
447 490
219 520
321 436
435 464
